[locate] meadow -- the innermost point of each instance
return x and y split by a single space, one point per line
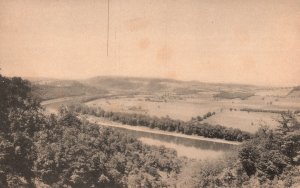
229 111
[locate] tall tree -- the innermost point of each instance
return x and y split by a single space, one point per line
20 117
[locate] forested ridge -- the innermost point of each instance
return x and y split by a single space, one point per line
39 150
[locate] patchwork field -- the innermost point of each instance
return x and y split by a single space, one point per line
228 111
174 109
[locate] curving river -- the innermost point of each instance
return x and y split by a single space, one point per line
190 148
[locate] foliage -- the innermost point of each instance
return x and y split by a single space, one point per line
20 118
83 155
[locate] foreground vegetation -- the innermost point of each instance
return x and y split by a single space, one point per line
61 151
270 159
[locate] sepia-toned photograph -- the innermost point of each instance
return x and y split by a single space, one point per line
149 94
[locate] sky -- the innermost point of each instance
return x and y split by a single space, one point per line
232 41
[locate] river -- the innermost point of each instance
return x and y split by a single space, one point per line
194 147
185 147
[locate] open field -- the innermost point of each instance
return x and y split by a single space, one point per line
277 92
174 109
227 110
247 121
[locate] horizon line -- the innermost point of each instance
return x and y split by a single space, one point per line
161 78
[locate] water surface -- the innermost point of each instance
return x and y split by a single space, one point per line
194 149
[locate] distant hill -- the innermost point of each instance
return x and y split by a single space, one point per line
295 92
130 83
158 85
51 89
54 88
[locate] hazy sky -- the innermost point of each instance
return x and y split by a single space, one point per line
255 42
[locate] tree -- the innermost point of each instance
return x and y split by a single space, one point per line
249 155
287 121
20 118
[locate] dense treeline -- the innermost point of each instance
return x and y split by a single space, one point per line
205 116
166 124
262 110
62 151
19 120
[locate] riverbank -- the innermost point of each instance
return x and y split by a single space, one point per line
105 122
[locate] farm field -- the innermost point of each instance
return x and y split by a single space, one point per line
247 121
227 110
274 92
174 109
